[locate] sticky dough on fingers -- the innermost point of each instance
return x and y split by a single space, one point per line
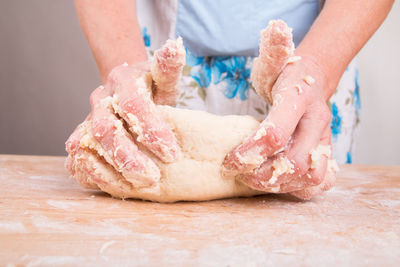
90 166
106 135
132 101
322 171
276 48
327 183
166 71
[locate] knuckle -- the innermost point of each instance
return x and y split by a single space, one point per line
301 165
324 114
70 146
304 194
316 178
115 73
129 105
101 127
329 181
276 138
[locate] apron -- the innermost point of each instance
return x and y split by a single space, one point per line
218 61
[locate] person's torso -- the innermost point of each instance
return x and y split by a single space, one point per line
223 27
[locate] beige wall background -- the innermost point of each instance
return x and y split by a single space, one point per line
379 66
47 73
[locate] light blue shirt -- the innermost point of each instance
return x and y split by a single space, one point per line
228 27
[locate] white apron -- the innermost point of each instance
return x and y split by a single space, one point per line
220 83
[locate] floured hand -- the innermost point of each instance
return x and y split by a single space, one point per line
291 149
126 98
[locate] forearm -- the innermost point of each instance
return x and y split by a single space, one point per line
339 32
113 32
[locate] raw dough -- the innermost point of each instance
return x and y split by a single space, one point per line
205 139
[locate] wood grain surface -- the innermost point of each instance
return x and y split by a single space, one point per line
46 219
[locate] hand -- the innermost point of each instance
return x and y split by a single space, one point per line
124 108
290 150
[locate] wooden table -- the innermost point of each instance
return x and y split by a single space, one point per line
46 219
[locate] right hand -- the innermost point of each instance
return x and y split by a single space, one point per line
278 157
122 111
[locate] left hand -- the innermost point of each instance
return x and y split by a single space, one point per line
106 151
283 154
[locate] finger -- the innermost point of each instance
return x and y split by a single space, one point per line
92 168
312 130
272 135
276 47
80 170
277 175
73 144
315 164
166 70
270 175
107 135
310 192
281 173
132 101
312 178
318 178
330 178
319 159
